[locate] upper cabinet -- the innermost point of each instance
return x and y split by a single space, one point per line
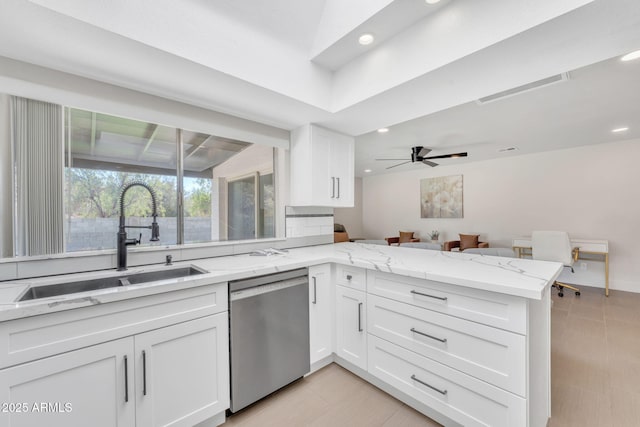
322 167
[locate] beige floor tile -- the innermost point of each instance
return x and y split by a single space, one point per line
370 408
582 345
624 299
409 417
624 375
560 303
591 375
625 408
623 340
592 298
575 407
623 313
336 384
587 311
590 328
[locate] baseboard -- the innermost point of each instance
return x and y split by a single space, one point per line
214 421
321 364
624 285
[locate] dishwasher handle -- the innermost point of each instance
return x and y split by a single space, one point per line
267 287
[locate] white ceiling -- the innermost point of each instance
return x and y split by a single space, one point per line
579 111
289 62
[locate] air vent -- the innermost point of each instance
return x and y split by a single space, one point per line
524 88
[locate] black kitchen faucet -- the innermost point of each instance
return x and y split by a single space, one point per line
123 242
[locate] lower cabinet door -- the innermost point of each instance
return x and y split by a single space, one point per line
92 386
351 321
182 372
320 312
462 398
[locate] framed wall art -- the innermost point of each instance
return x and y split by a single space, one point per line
441 197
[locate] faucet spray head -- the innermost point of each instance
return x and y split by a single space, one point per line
155 230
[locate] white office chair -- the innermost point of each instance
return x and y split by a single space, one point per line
554 246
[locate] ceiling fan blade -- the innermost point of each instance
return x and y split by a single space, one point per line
447 156
424 151
432 164
399 164
397 160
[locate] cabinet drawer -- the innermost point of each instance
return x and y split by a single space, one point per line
351 277
487 353
503 311
464 399
35 337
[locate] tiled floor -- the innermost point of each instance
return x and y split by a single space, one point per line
595 359
331 397
595 376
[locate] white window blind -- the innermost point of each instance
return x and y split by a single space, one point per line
37 135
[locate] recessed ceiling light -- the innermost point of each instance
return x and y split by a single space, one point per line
432 1
631 56
365 39
383 130
367 170
618 130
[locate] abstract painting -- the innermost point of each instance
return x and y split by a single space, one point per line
441 197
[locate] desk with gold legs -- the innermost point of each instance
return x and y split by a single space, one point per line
599 248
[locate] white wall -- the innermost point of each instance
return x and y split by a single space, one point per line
351 218
591 192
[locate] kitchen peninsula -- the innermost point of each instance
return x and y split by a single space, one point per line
463 338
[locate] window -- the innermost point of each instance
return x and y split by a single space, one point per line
103 152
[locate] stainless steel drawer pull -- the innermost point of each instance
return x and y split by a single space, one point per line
442 392
126 380
333 187
427 295
314 290
349 277
144 373
338 179
359 317
428 336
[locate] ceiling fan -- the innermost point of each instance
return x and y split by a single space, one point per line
418 154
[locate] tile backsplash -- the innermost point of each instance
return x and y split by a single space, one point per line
305 221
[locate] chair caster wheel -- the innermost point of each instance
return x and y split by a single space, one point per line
560 294
577 293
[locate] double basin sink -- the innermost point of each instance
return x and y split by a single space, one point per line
65 288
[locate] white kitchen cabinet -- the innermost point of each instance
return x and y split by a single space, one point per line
182 372
461 397
172 376
320 312
157 360
351 323
471 355
489 354
93 386
322 167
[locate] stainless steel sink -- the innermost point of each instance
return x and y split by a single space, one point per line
36 292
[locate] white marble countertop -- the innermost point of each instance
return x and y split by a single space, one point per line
512 276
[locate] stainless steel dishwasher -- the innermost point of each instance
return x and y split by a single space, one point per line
268 334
